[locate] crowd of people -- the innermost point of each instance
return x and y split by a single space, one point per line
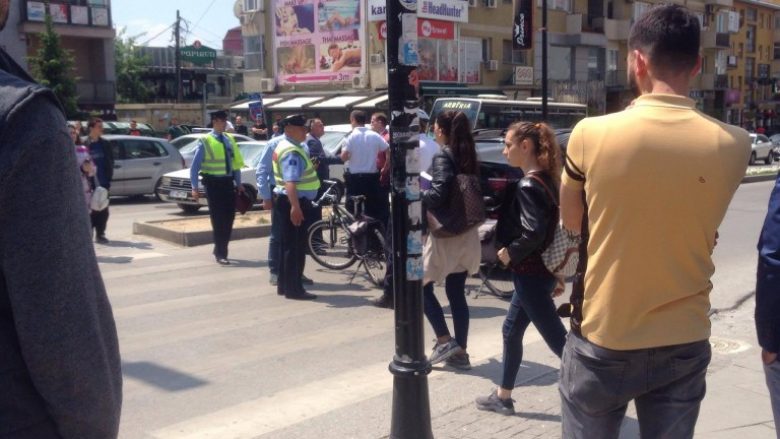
647 208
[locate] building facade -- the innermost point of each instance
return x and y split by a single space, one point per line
85 29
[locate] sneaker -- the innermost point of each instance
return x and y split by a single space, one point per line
444 351
306 281
384 301
274 280
459 361
101 239
492 403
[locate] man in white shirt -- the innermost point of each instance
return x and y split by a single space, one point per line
361 173
428 146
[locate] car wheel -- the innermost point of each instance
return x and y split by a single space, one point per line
157 187
768 159
189 208
752 158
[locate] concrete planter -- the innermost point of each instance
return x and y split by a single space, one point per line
158 229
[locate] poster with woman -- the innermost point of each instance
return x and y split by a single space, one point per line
317 41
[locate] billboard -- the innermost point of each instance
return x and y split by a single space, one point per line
317 41
522 31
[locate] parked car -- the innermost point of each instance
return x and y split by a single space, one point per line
762 149
176 186
140 162
188 144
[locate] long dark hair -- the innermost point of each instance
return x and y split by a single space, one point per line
456 127
546 148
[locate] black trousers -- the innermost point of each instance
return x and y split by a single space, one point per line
221 196
99 221
292 247
377 205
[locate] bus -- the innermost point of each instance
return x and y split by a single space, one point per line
487 114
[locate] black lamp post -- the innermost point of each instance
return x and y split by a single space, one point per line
411 418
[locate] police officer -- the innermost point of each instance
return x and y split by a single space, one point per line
296 186
218 160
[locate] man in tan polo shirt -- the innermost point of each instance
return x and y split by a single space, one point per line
658 178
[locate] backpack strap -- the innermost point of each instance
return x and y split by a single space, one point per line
546 188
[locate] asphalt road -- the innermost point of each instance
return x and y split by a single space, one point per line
213 352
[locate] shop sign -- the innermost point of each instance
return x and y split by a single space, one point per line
447 10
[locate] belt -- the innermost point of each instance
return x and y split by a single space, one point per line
362 174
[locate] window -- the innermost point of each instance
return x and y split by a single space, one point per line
761 20
640 8
741 49
777 51
470 60
143 149
560 58
513 56
438 60
750 39
595 64
750 14
760 52
749 68
253 53
251 5
557 5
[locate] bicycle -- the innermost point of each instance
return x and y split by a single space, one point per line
342 239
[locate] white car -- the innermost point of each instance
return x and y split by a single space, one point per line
188 144
762 149
140 163
176 186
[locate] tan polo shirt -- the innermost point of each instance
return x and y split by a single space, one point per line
659 177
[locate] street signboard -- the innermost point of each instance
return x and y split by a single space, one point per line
198 54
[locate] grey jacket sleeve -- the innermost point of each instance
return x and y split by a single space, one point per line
61 313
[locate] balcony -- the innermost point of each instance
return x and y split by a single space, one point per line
715 40
96 92
579 23
721 3
617 30
711 81
616 79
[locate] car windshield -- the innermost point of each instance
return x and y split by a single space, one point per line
182 141
491 151
251 152
190 143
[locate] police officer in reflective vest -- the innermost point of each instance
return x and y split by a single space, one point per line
218 160
296 187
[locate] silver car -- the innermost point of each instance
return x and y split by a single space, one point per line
140 163
762 149
188 144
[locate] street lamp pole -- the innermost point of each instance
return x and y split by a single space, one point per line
544 60
411 417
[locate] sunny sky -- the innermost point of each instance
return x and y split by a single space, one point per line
150 20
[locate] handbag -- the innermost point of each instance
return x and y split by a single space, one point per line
99 200
562 254
465 207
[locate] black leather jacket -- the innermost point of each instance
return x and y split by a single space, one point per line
443 171
526 220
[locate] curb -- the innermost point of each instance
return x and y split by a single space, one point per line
759 178
156 229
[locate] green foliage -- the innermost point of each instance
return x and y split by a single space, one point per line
53 67
129 66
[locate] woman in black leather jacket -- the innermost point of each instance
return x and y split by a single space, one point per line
449 261
523 232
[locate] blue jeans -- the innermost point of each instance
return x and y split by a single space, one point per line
531 303
666 383
455 286
773 383
274 240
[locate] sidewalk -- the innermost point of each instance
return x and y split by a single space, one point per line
736 406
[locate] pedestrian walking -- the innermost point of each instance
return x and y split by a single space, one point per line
102 155
768 299
428 148
656 180
84 163
59 355
218 160
523 232
240 127
449 261
361 173
296 186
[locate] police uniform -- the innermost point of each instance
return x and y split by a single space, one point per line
291 163
218 160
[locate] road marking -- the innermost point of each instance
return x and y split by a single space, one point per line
292 406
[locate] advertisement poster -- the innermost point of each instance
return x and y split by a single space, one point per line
317 41
59 13
471 60
79 15
99 16
256 110
36 11
522 31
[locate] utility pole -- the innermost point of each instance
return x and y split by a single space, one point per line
544 60
178 58
411 418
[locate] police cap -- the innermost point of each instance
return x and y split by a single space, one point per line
297 120
219 114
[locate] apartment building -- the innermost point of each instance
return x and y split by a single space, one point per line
86 30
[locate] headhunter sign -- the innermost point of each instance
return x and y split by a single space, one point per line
445 10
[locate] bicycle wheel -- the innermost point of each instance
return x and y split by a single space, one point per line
334 251
497 280
375 262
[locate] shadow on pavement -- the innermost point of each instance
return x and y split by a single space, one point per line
245 263
481 312
538 416
139 199
161 377
530 374
343 300
114 259
129 244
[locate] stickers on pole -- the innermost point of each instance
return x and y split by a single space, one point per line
414 214
414 242
413 161
407 44
412 188
414 268
409 5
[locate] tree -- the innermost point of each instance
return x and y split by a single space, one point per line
53 67
129 66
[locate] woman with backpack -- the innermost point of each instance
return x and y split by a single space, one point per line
450 260
525 228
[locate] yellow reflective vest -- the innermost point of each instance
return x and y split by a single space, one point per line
309 180
214 156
